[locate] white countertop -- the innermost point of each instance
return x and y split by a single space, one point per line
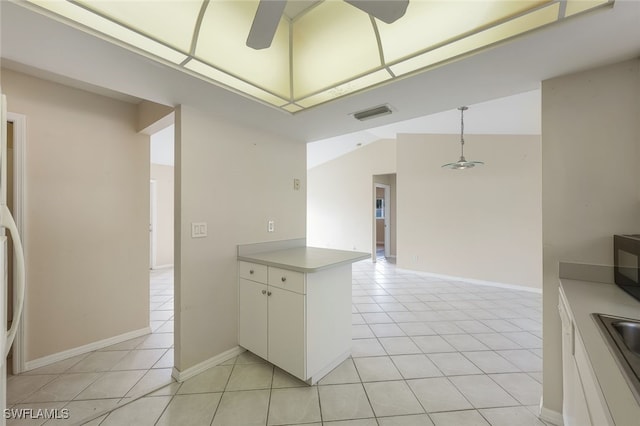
305 259
585 298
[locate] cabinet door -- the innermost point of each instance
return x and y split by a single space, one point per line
579 413
252 325
286 331
574 403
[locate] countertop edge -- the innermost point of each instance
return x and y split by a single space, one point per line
301 268
585 298
304 259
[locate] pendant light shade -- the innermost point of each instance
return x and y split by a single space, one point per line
462 163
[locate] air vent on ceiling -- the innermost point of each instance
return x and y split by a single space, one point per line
374 112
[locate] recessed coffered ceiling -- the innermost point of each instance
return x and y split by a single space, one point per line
47 47
322 50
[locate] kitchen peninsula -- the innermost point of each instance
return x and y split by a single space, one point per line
295 305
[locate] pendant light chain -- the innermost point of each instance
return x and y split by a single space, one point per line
462 163
462 131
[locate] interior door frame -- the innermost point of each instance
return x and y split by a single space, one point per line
387 221
19 147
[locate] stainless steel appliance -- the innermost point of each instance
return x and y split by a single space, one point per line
626 263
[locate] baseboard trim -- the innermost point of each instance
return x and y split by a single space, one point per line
190 372
550 416
481 282
100 344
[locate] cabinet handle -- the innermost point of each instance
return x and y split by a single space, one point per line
264 291
268 293
284 279
251 271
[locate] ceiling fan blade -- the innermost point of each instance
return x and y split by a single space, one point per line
265 23
385 10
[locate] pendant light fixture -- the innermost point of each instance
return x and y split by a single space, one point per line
462 163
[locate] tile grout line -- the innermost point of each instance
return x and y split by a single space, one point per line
224 390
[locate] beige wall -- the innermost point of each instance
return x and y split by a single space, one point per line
591 183
86 218
482 223
501 205
153 117
340 202
163 175
235 179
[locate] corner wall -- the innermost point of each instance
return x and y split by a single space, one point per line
591 184
235 179
341 197
86 233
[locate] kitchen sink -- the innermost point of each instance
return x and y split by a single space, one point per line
629 332
623 338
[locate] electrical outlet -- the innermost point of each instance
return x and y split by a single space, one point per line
271 226
198 229
296 184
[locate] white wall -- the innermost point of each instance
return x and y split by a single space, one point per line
591 183
340 202
235 179
162 150
163 176
482 223
86 218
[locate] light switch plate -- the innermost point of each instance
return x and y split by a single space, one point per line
198 229
296 184
271 226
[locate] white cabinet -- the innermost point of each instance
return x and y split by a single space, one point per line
300 322
286 330
583 403
574 403
253 314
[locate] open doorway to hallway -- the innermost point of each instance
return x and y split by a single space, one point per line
384 220
161 187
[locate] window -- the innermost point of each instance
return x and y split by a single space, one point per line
379 208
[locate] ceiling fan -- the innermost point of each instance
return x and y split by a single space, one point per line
269 13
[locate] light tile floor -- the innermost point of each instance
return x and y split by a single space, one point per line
94 382
425 352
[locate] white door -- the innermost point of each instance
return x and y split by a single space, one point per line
252 327
387 220
286 331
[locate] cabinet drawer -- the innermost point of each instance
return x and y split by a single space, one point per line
253 272
288 280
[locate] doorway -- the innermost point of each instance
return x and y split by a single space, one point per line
161 188
161 237
383 228
384 220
